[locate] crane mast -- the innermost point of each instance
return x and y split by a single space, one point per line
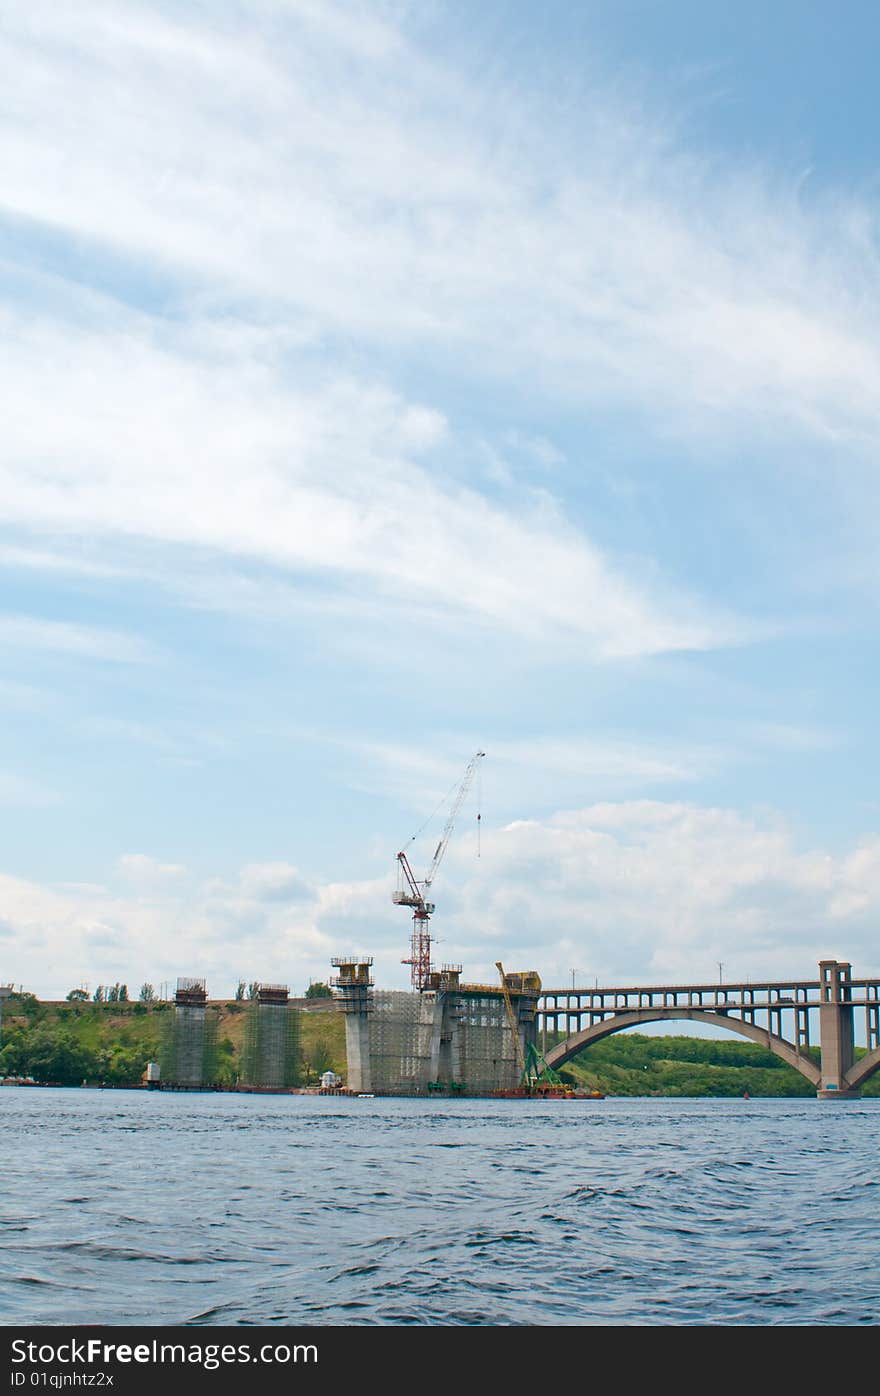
411 890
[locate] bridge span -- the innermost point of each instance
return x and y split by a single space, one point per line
780 1015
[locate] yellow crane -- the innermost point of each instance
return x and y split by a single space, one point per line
511 1018
535 1074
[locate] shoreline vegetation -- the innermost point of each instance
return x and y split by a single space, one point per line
109 1044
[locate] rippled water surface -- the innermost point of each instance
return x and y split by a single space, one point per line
134 1207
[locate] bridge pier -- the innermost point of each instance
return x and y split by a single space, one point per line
354 985
836 1037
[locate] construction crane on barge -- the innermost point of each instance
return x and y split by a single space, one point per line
411 891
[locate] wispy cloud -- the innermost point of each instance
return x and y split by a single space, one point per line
335 483
527 773
398 209
80 641
591 257
21 790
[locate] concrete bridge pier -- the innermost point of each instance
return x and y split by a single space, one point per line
355 985
836 1037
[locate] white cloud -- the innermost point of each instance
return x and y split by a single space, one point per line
147 872
632 892
645 891
274 882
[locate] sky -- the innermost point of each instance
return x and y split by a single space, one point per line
384 382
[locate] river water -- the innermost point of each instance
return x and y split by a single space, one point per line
159 1208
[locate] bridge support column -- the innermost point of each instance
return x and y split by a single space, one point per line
357 1052
354 995
835 1029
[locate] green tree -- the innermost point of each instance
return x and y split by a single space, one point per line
319 990
77 996
240 990
99 995
122 993
54 1056
147 994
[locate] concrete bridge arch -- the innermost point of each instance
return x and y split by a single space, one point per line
858 1074
629 1018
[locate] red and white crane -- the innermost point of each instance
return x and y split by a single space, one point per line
411 890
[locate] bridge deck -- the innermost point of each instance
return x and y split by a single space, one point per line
859 992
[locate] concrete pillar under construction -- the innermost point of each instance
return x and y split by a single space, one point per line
354 994
269 1059
836 1036
357 1053
184 1063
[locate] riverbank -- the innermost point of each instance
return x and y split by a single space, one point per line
109 1044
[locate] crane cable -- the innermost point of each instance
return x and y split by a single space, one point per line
444 800
479 804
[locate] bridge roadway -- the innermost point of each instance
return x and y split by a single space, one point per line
777 1014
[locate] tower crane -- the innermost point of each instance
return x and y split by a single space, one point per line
411 890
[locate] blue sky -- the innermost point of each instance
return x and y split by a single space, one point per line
384 381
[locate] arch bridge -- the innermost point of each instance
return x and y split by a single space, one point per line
780 1015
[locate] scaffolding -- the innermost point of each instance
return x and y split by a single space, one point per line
461 1039
271 1056
456 1041
188 1055
486 1055
401 1026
